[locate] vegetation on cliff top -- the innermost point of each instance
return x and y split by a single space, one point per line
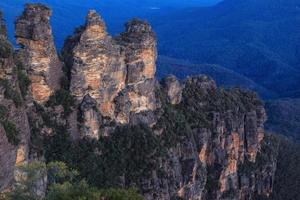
63 185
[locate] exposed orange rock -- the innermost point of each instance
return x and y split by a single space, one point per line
38 54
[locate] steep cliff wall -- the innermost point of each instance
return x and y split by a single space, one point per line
14 126
38 54
117 73
213 140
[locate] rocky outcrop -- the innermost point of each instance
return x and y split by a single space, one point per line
117 73
139 44
90 118
14 126
217 160
38 53
96 64
173 89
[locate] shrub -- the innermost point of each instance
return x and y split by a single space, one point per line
27 181
11 132
59 172
24 81
64 98
120 194
3 112
10 93
6 49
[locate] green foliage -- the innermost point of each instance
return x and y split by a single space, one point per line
64 98
283 117
27 178
11 93
287 176
11 132
6 49
120 194
131 152
200 104
24 81
58 172
266 155
82 191
62 185
3 112
69 191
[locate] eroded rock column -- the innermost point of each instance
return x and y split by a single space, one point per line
38 53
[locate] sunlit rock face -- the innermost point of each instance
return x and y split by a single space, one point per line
38 53
118 73
139 44
96 64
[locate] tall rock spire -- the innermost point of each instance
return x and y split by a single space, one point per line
96 64
139 44
38 53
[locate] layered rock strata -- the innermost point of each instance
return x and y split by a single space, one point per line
117 73
38 53
216 160
14 126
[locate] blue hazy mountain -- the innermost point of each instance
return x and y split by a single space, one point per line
68 14
259 39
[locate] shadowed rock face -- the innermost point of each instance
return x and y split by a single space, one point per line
218 160
38 53
173 89
14 126
91 118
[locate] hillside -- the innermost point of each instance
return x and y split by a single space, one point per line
287 177
224 77
284 117
257 39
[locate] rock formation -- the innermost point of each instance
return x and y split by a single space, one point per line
96 64
139 44
14 126
173 89
212 163
117 73
211 140
38 53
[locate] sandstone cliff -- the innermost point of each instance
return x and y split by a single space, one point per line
14 126
38 53
171 140
215 158
117 73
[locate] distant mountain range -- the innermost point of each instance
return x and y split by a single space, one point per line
258 39
223 76
68 14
